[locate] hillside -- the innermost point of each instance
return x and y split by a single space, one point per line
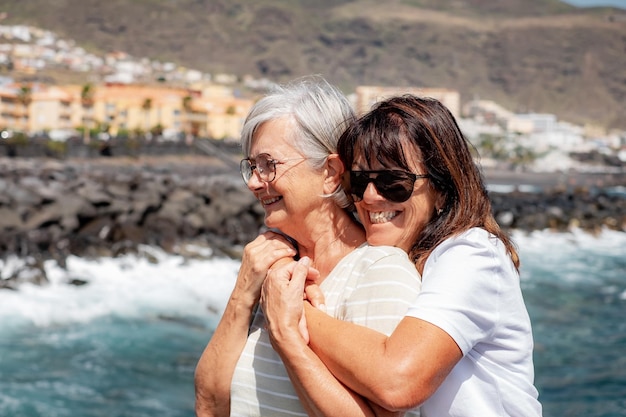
529 55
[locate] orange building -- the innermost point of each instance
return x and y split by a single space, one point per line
366 96
34 108
206 112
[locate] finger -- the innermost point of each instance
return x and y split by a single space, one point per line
260 254
280 263
315 296
276 278
298 277
280 272
279 238
313 275
275 246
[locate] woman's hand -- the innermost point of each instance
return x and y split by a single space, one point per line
258 257
282 297
215 368
315 296
320 392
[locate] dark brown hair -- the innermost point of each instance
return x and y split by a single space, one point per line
400 125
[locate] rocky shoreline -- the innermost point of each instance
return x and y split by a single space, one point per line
107 207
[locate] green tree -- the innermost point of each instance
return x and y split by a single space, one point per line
87 95
25 97
187 110
146 106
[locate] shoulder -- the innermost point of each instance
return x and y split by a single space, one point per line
378 253
472 236
387 265
470 259
368 257
473 242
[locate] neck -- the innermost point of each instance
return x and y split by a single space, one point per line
340 238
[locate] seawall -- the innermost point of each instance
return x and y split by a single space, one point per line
105 207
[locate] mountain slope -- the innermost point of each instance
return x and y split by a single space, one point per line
530 55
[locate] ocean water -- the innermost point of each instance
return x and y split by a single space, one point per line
126 343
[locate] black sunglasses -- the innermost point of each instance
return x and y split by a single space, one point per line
393 185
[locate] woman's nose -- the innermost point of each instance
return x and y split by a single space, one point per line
371 193
255 183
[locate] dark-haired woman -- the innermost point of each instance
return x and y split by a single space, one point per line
465 346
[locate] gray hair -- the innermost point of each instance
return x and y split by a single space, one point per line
319 113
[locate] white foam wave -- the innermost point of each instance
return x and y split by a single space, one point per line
134 287
509 188
607 242
129 286
574 257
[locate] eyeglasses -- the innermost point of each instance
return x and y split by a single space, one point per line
265 167
393 185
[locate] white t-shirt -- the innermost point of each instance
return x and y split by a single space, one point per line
373 286
471 290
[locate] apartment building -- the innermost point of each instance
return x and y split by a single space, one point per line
206 112
35 108
366 96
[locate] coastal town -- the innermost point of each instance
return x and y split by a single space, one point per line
124 96
125 222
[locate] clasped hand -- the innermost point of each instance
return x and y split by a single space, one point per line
283 293
267 250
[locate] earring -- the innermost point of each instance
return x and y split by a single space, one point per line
439 211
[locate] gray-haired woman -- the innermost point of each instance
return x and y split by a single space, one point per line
289 140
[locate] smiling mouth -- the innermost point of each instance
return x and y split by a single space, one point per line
382 216
268 201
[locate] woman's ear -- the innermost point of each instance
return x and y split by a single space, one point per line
440 203
334 173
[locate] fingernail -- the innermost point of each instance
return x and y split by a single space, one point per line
322 307
306 261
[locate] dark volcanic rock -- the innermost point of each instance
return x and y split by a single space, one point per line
560 210
49 210
45 203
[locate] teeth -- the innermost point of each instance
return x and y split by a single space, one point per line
270 201
382 216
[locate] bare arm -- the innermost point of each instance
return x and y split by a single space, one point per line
373 365
406 368
215 368
381 367
319 391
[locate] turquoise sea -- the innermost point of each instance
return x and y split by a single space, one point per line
126 343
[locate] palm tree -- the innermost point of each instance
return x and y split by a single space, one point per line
187 108
146 107
25 97
87 94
